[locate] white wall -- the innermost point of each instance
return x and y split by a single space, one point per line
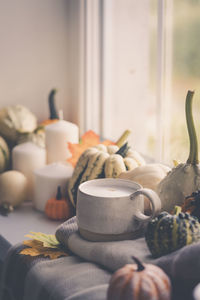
34 55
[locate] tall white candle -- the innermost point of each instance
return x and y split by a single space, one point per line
46 181
26 158
56 137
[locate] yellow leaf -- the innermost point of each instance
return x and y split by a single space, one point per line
36 248
48 240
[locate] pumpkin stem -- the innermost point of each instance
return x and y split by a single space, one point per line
123 150
139 264
177 209
123 138
193 155
52 108
59 193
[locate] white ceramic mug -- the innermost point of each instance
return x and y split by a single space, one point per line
112 209
196 292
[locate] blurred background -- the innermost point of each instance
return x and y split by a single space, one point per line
117 65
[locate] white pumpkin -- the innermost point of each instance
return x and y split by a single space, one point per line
13 187
37 137
149 175
16 119
4 155
184 179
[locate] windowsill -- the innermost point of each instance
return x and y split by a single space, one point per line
24 219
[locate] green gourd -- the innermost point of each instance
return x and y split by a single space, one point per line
184 179
167 233
4 155
102 162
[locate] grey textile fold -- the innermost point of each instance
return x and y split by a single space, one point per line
111 255
64 231
87 278
68 278
181 266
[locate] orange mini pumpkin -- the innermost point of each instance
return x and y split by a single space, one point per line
58 208
139 281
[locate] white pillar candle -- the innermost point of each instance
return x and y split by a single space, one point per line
56 137
47 180
26 158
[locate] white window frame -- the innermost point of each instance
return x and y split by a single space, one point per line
93 77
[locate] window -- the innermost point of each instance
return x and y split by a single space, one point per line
137 59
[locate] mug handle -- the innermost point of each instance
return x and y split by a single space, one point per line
153 198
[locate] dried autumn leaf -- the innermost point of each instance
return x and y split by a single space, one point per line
48 240
36 248
89 139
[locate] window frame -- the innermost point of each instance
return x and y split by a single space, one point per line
95 45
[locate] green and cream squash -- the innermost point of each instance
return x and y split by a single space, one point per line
102 161
4 155
166 232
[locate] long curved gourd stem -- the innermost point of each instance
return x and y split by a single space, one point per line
193 155
177 209
52 108
123 138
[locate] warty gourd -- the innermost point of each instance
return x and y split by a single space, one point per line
169 232
102 161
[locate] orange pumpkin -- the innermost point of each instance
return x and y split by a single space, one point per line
139 281
52 109
58 208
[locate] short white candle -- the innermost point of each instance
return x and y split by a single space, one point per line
26 158
46 181
56 137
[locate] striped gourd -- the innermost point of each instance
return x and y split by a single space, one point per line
167 233
102 161
4 155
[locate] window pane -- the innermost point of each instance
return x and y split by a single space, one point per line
129 72
152 59
185 73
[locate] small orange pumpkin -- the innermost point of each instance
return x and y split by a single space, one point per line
52 109
58 208
139 281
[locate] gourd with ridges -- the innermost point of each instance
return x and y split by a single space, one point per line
4 155
138 282
167 233
102 161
